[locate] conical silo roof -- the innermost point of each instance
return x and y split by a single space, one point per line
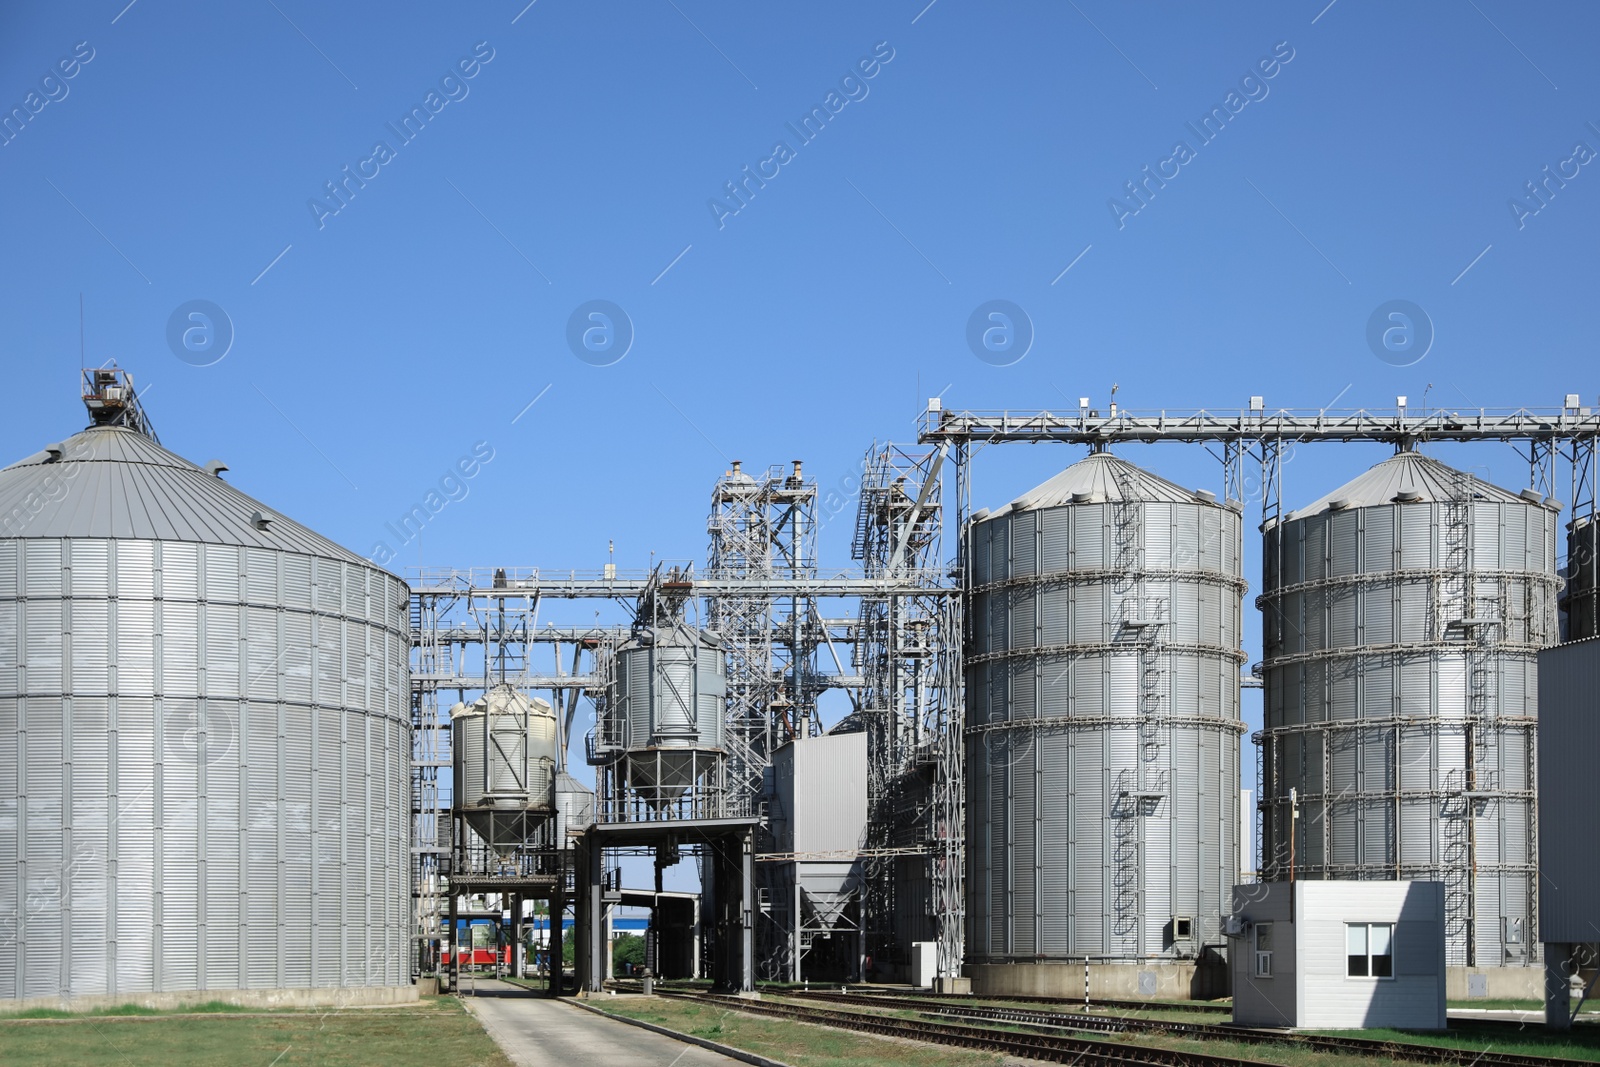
1407 477
1101 476
112 482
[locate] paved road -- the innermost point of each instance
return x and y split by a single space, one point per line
538 1032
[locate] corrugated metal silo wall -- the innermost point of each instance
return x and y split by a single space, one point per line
632 704
211 781
494 753
687 703
711 690
1064 858
1371 697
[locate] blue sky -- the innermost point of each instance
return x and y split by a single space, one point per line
374 347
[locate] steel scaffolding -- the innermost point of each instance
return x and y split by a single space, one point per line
762 594
465 639
762 532
908 650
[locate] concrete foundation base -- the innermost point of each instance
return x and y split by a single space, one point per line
1157 979
353 997
1494 983
953 986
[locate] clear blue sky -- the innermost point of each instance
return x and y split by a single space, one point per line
373 347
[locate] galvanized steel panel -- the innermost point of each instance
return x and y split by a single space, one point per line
1024 544
134 745
999 549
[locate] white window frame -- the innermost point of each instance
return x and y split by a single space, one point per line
1263 957
1368 927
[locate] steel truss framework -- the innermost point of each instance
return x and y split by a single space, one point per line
464 640
762 532
1258 437
762 528
762 592
908 651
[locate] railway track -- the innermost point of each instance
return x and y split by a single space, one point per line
1053 1048
1197 1007
1015 998
1112 1024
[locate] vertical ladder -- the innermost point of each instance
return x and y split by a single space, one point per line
1457 621
1454 812
1125 807
1154 686
1127 804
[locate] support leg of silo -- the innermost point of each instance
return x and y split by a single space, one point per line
580 924
593 937
516 936
1557 986
557 921
454 970
747 893
794 929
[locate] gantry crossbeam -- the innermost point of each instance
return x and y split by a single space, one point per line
1400 426
581 584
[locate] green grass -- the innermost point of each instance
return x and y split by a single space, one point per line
799 1044
1533 1040
436 1031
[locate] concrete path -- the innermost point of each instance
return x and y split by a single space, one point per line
535 1031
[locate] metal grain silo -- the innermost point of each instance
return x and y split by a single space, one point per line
505 753
204 742
666 711
1402 614
1103 712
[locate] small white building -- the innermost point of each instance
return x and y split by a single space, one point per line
1338 955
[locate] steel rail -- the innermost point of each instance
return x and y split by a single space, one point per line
868 995
1051 1047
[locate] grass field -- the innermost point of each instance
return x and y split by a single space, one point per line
799 1044
436 1031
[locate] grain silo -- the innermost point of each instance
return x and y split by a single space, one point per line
1402 614
504 749
204 740
665 716
1103 729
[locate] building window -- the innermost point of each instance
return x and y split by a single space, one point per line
1263 950
1369 948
